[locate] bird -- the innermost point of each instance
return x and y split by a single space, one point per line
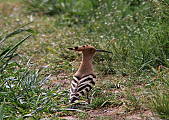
84 79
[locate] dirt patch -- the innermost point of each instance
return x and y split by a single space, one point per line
111 112
10 9
119 113
69 118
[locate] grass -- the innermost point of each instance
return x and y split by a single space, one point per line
10 1
161 105
22 93
159 94
131 78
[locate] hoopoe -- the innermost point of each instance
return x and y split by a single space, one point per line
84 79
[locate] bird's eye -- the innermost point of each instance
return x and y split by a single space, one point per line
83 46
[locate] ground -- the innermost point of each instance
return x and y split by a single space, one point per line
128 102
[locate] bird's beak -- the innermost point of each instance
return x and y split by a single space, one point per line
71 48
98 50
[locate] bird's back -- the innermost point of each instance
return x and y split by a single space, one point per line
81 86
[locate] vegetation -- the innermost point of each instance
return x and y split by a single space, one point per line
35 71
128 29
22 94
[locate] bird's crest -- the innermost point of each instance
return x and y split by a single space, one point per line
82 48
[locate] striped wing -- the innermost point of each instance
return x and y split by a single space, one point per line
81 86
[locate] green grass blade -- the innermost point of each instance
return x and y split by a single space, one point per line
1 112
14 47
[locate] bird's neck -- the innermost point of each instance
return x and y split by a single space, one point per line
86 66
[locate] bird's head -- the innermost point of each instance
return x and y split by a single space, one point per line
87 49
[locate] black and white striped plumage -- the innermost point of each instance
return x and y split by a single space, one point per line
81 86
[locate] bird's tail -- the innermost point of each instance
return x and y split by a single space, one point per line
73 98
